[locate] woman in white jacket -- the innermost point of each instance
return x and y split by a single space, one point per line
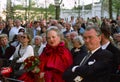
23 50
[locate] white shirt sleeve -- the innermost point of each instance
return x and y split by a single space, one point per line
73 69
29 52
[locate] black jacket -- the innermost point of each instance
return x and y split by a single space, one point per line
99 71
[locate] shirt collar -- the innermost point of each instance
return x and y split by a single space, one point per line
93 51
105 45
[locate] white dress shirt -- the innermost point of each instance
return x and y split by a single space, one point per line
105 45
93 51
25 53
13 32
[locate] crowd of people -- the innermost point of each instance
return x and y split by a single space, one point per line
69 51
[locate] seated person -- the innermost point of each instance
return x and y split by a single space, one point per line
38 46
6 50
78 51
23 51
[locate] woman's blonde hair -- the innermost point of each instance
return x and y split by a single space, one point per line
29 37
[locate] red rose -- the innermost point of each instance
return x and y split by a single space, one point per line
31 62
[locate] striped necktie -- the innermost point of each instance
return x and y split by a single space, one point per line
85 59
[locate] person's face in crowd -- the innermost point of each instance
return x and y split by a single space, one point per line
28 25
76 44
19 37
68 26
36 25
10 22
52 38
4 41
37 41
62 20
18 23
24 39
118 45
1 26
4 24
92 40
68 36
44 39
72 35
75 28
118 17
0 18
116 37
72 18
44 29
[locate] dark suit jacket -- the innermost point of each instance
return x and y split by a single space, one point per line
116 59
99 71
78 55
77 58
6 31
8 52
4 57
116 54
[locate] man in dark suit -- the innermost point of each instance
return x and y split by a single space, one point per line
96 66
108 45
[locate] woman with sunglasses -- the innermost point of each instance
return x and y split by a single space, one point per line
23 51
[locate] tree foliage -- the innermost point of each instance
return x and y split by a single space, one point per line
34 11
116 6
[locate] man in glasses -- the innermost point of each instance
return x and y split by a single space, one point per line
95 66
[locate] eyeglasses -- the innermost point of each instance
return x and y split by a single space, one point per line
23 37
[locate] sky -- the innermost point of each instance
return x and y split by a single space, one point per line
67 3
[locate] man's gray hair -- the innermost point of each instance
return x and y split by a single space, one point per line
97 29
39 37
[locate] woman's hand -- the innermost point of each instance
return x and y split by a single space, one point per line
36 70
42 75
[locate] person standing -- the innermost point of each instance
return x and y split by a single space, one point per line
14 30
108 45
2 28
36 29
9 25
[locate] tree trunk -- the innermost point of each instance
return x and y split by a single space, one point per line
9 10
110 9
118 11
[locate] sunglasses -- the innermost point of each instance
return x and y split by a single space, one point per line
23 37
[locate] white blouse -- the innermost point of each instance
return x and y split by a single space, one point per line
23 52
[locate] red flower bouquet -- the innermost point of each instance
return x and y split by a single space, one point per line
31 63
